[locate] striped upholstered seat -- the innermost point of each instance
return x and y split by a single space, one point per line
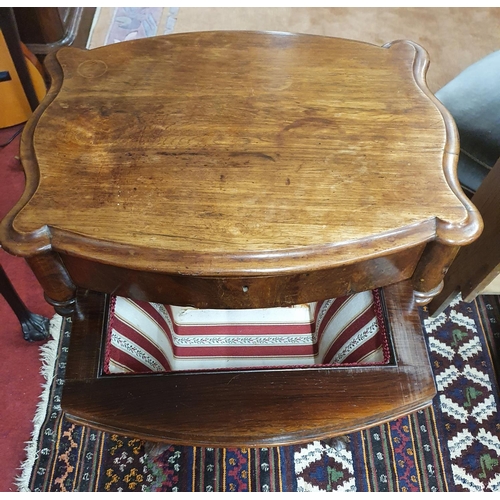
147 337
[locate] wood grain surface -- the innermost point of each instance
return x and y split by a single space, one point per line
238 151
246 408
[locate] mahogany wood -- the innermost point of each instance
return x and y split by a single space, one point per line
52 275
252 408
242 155
39 24
241 169
242 293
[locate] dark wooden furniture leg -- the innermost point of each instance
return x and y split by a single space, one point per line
34 326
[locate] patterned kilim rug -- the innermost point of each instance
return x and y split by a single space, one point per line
452 446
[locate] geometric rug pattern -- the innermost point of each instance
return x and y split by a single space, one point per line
452 446
468 398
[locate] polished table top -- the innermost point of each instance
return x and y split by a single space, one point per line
239 154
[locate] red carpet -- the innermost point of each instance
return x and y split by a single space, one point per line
20 380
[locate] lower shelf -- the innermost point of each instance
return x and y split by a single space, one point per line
265 407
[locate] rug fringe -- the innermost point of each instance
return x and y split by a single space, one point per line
48 357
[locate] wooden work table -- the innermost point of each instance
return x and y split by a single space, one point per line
273 162
243 170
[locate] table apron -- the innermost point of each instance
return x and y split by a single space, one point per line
243 292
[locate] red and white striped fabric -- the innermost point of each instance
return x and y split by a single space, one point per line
148 337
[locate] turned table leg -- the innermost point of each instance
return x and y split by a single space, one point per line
34 326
